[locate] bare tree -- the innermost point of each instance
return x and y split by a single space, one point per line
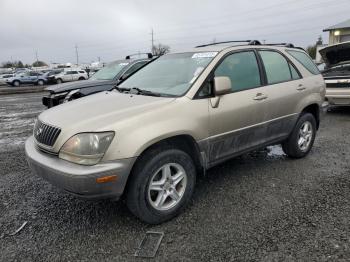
160 49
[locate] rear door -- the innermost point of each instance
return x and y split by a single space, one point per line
75 75
284 90
235 124
68 76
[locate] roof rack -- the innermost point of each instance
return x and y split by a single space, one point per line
250 42
282 44
149 55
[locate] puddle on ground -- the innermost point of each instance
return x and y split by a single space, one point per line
275 151
270 152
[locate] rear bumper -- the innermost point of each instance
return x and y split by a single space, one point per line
77 179
338 96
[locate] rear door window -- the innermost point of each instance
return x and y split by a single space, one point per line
305 60
295 74
242 69
276 66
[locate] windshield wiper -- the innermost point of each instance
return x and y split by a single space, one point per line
121 89
138 91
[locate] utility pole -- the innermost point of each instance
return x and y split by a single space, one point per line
76 53
152 41
36 55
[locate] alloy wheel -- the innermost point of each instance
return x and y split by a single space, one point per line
167 186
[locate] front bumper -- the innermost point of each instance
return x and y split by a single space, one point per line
53 99
77 179
338 96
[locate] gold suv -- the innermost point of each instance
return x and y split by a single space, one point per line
181 114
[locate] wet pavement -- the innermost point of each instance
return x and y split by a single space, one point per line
261 206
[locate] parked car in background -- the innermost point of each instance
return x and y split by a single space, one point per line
71 75
50 75
181 114
104 79
30 77
337 73
4 77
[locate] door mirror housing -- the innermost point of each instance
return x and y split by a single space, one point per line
222 85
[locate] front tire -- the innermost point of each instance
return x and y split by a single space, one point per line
162 183
302 138
16 83
41 82
59 81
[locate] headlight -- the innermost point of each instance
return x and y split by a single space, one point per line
86 148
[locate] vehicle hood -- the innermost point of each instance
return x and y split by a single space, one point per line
59 88
100 111
336 54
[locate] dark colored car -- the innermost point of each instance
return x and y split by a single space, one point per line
50 75
337 73
104 79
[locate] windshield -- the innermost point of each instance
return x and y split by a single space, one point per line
170 74
110 71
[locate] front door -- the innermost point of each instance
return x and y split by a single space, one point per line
236 122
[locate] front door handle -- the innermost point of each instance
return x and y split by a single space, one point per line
301 87
260 96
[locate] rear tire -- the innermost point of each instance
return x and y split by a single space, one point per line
59 81
302 138
81 78
161 184
41 82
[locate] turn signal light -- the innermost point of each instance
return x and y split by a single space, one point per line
106 179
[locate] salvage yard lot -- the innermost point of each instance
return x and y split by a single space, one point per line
261 206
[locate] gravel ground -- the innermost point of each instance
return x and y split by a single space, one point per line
258 207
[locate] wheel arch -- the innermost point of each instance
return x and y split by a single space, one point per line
183 142
313 109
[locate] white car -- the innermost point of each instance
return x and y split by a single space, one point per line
4 77
71 75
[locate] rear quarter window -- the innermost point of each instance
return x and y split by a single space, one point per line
305 60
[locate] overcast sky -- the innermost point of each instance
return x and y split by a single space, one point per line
111 29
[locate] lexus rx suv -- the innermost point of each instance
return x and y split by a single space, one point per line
150 137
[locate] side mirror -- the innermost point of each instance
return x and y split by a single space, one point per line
222 85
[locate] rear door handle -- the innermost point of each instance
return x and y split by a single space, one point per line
301 87
260 96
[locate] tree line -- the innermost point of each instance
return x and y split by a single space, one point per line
19 64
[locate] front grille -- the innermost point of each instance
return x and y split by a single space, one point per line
46 134
338 85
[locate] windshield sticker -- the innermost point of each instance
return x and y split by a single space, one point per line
196 74
204 55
